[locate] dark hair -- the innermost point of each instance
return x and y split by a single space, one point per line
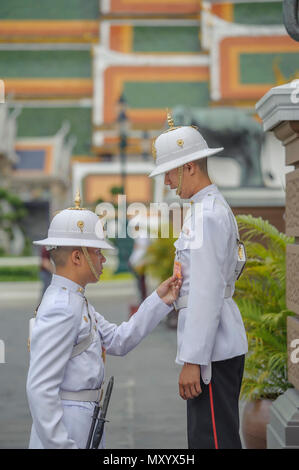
202 163
60 254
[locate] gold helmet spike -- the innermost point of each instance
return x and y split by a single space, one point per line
170 119
77 203
78 200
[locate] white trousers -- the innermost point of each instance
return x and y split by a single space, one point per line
77 418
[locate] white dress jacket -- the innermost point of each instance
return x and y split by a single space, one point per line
210 328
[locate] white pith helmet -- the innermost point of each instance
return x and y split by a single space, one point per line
76 226
177 146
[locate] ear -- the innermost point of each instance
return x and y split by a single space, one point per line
191 168
76 257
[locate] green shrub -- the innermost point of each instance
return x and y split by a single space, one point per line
260 295
160 257
19 273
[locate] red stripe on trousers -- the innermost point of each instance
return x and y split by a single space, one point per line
213 416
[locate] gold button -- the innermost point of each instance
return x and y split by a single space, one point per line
85 318
95 328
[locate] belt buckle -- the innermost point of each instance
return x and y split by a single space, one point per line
100 395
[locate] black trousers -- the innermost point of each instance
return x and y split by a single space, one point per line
213 416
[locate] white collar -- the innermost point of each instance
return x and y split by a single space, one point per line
62 281
211 188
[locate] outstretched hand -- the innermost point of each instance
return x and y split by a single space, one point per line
168 290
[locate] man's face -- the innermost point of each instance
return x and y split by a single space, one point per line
171 178
98 259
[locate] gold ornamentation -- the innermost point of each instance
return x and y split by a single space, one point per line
180 142
170 120
103 356
80 224
180 181
78 200
154 150
77 203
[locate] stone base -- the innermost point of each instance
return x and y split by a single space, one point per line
283 427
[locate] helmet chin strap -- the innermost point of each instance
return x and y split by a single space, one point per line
90 263
180 181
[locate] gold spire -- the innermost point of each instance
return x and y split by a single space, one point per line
77 203
170 120
78 200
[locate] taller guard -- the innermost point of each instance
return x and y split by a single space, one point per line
69 337
211 339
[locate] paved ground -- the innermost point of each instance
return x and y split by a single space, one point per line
145 409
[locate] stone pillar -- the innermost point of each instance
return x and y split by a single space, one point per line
279 110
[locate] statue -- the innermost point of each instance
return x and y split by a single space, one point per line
290 18
240 135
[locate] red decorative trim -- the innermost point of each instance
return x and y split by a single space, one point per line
213 416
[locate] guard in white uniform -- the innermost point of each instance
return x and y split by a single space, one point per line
69 338
211 339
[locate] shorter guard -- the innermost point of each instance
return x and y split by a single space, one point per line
69 338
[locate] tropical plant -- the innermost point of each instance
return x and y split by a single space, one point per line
160 256
12 211
260 295
15 209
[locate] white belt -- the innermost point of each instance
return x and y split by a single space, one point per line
81 347
182 302
81 395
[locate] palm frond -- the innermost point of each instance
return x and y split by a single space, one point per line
256 226
256 251
260 295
